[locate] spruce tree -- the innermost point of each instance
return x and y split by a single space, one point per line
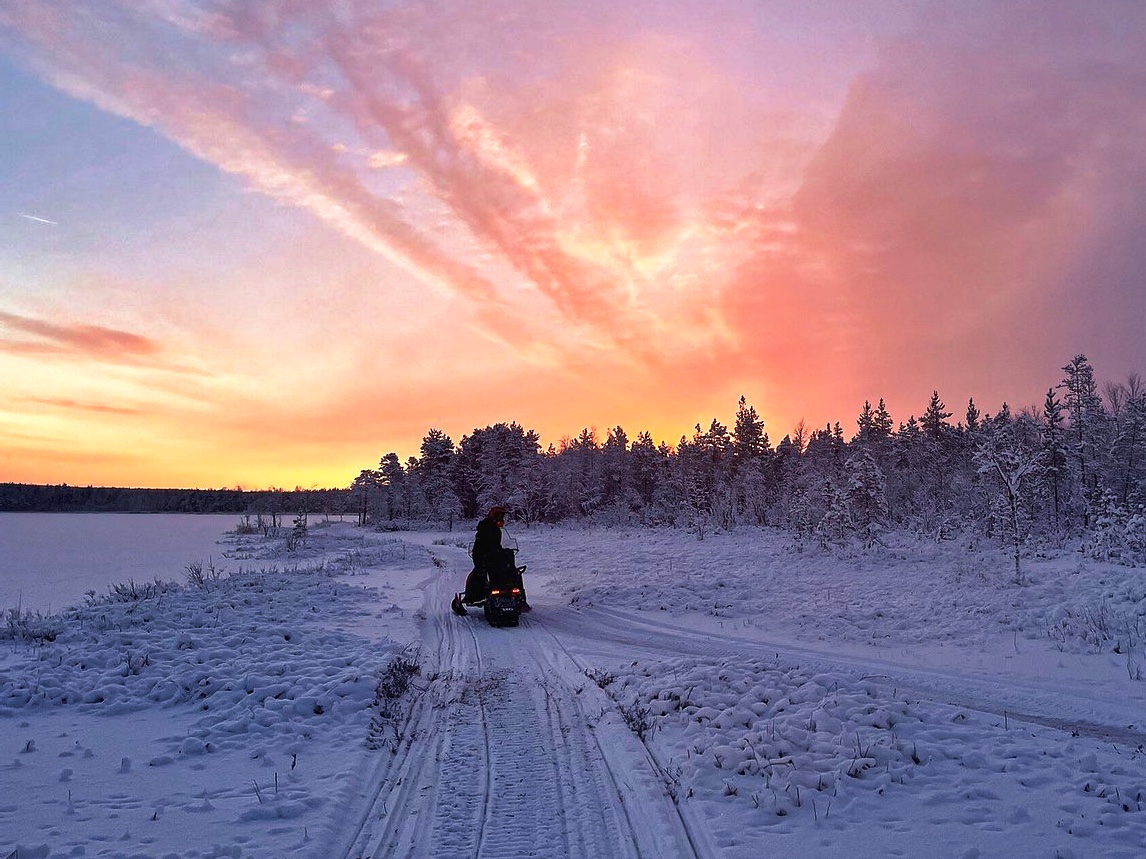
1128 442
393 483
749 440
1054 452
865 424
934 420
1085 409
881 421
973 416
615 467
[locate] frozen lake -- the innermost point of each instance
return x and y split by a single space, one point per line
50 560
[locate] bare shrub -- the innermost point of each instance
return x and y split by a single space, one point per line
202 577
30 627
393 685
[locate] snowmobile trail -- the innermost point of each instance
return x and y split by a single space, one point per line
508 750
1036 701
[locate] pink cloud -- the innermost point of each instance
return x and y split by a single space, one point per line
949 231
89 341
669 191
572 180
76 405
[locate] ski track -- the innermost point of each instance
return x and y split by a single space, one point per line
501 757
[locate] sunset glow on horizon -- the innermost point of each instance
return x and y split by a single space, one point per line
265 243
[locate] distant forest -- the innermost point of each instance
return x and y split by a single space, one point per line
29 498
1071 473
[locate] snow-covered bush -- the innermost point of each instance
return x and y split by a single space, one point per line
30 627
1119 535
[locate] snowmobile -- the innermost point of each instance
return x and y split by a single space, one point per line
498 591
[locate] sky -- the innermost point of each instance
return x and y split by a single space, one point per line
263 244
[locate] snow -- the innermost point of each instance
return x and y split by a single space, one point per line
737 696
102 548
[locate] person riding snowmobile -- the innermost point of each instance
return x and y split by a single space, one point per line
490 559
486 550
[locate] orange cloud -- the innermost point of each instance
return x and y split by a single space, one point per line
88 341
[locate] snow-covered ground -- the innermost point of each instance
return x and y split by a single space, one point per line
731 697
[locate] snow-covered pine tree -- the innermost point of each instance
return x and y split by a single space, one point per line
881 421
751 451
649 475
393 484
1054 455
934 420
616 473
1127 454
1009 459
749 440
835 525
365 488
865 425
580 476
1084 407
866 496
433 474
974 416
492 466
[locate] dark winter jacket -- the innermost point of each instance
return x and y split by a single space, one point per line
487 544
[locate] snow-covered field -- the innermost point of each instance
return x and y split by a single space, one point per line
731 697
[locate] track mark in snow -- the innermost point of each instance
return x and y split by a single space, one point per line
1036 702
656 825
462 779
502 757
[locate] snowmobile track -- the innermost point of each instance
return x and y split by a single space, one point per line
685 837
1011 699
500 756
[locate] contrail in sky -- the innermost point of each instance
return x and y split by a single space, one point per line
39 220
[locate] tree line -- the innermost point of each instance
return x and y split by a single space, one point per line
63 498
1072 469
